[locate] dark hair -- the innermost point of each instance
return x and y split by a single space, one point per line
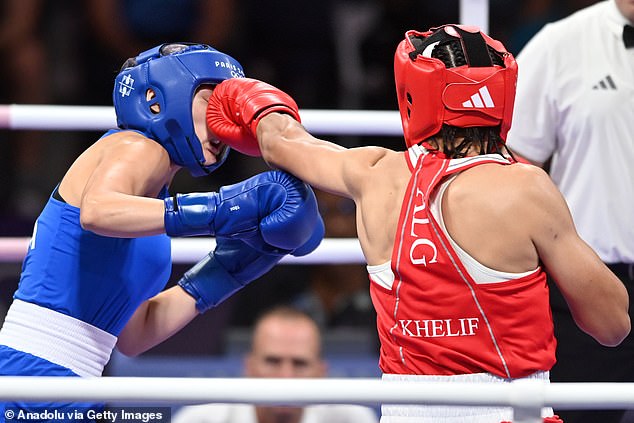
285 311
485 139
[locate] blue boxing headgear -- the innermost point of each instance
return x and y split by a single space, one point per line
167 76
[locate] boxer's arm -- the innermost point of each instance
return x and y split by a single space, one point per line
156 320
237 111
597 299
285 144
115 187
229 268
266 204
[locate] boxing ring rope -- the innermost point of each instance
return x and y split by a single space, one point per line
91 118
190 250
526 397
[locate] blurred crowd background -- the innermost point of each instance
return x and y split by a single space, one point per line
328 54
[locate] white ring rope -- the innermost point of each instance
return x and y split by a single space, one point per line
527 396
190 250
80 118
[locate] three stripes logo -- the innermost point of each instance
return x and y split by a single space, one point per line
605 84
480 100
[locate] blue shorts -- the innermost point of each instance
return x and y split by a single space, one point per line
18 363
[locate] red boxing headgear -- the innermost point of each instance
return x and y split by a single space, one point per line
478 93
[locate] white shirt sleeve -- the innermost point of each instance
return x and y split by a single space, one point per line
533 131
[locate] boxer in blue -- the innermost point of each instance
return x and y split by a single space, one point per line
99 259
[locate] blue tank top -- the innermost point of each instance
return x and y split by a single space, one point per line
97 279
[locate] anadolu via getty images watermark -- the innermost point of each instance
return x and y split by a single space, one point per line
75 414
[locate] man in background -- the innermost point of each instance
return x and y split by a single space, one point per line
286 343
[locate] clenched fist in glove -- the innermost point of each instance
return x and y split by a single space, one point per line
224 271
237 105
235 263
274 205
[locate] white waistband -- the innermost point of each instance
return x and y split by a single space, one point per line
58 338
464 378
392 413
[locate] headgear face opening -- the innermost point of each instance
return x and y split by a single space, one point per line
477 92
153 94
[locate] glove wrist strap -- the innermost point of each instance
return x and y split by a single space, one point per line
209 283
190 214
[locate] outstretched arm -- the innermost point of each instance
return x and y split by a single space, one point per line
285 144
258 119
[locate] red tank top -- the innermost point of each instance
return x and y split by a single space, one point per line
435 320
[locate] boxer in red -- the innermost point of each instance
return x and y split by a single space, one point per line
458 236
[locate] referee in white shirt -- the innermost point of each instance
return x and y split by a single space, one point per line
575 111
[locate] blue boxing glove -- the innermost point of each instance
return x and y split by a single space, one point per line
315 239
224 271
233 265
268 203
236 262
317 235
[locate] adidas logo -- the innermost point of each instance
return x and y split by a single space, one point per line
480 100
605 84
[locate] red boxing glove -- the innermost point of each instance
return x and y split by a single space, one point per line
236 107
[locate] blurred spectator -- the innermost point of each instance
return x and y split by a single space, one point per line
574 110
25 80
339 215
337 296
377 49
126 27
40 41
122 28
289 43
286 343
353 21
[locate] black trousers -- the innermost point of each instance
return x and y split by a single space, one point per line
582 359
